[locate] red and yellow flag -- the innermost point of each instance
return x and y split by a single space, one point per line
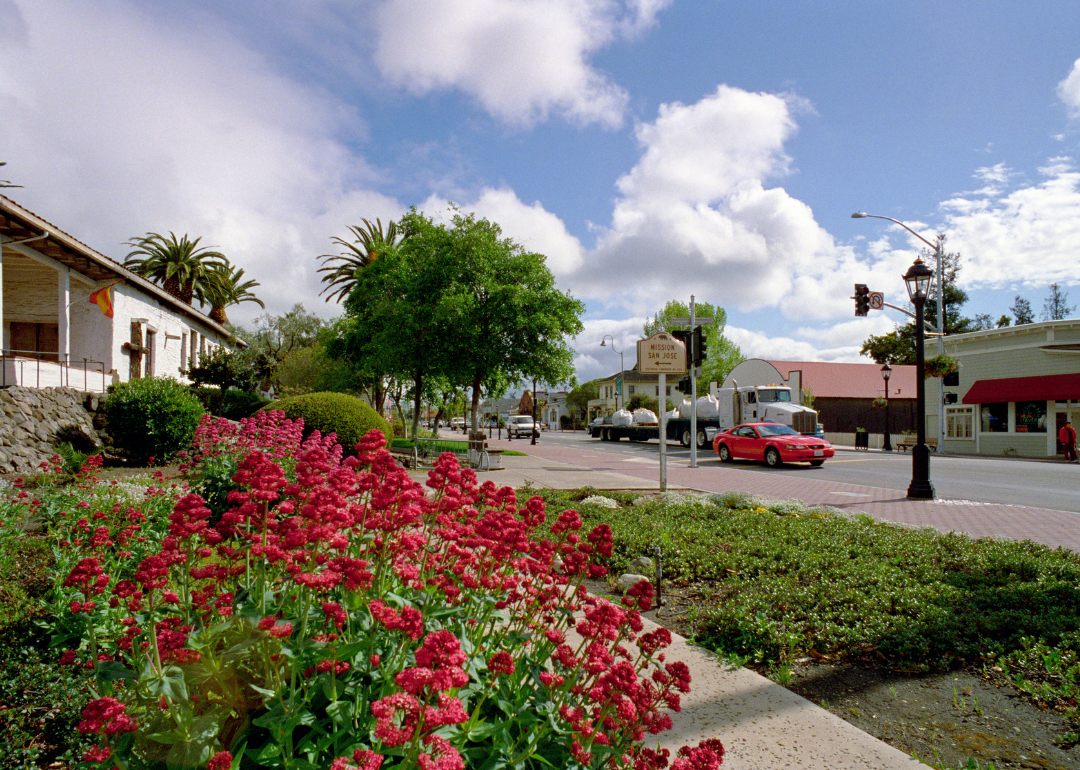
103 299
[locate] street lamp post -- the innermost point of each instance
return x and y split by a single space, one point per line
918 279
939 258
886 372
621 369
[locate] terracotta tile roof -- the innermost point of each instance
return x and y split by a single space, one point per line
832 380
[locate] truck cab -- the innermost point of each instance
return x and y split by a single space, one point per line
765 403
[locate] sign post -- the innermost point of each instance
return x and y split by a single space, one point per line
693 321
662 354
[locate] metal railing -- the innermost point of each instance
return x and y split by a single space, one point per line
35 369
473 453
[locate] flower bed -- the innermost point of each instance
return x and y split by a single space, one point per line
314 611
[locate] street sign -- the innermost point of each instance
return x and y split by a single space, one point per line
684 321
661 354
877 300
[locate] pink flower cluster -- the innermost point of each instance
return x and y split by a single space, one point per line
321 549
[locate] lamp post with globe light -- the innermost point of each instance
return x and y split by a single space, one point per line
886 372
621 368
918 279
939 258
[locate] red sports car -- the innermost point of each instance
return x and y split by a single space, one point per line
771 442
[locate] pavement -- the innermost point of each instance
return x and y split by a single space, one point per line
762 725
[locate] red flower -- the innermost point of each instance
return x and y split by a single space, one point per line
220 761
106 716
501 663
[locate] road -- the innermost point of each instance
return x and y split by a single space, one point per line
1009 481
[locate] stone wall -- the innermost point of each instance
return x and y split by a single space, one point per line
34 421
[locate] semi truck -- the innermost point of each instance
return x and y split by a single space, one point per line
764 403
678 429
734 405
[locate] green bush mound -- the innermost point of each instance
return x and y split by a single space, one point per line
347 416
153 417
230 404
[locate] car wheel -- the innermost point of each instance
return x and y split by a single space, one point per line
702 439
605 435
817 463
684 439
772 458
724 452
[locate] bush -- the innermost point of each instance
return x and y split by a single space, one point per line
152 418
230 404
347 416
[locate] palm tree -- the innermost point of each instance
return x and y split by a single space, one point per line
226 288
178 266
370 241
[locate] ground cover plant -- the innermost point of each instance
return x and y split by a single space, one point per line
336 615
782 581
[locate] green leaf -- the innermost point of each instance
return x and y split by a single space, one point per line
111 670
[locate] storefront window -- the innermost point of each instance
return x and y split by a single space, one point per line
958 422
995 418
1031 417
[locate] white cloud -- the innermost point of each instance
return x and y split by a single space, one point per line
1026 236
1068 91
696 216
521 59
143 125
533 227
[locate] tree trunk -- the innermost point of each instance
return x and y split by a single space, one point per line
477 379
418 386
217 313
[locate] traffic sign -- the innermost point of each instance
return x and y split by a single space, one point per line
684 321
661 354
877 300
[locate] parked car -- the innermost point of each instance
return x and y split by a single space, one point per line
771 443
457 423
521 425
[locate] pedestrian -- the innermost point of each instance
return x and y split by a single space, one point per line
1067 437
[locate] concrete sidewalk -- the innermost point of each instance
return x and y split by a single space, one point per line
762 725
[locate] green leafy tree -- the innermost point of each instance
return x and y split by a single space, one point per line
508 318
1056 307
179 266
1003 321
722 354
577 400
1021 311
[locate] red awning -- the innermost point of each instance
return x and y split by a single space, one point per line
1050 387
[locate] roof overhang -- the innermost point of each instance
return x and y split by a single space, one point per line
21 225
1048 387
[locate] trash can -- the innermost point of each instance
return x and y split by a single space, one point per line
862 440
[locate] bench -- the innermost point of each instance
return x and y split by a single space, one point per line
470 454
907 442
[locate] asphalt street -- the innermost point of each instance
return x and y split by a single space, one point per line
1049 484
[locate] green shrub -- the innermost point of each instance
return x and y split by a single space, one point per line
230 404
347 416
154 417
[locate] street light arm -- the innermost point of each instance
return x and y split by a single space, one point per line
864 215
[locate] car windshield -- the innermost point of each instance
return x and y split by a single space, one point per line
776 430
772 396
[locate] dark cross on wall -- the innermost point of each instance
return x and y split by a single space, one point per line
135 349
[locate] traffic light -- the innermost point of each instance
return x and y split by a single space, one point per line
683 336
700 349
862 299
684 385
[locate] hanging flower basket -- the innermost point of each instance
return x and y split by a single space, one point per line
879 403
939 366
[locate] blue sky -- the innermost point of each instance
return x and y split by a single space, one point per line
652 149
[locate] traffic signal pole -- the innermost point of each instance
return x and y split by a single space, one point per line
693 388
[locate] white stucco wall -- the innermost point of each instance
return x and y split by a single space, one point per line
31 292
